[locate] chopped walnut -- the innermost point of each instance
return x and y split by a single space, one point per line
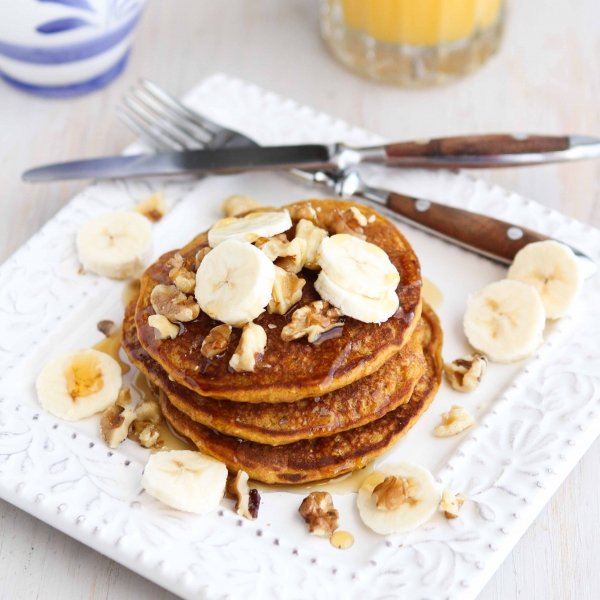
393 492
124 398
287 255
456 420
163 328
237 205
312 320
303 211
153 208
114 424
450 504
200 255
216 341
358 216
313 236
183 278
247 501
250 348
169 302
107 327
287 291
145 433
148 410
349 221
318 511
464 374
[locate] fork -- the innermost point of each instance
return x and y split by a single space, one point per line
164 122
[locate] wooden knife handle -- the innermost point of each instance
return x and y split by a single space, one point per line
494 150
494 238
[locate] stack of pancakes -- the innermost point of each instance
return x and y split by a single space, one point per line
309 411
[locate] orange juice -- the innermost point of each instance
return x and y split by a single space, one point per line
367 34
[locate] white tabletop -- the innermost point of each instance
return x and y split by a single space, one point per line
546 79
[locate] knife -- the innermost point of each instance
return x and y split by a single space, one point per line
478 151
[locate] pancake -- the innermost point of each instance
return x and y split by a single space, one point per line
289 371
269 423
324 457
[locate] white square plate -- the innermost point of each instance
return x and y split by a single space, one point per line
534 419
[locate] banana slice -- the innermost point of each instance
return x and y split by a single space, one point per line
358 266
357 306
505 320
234 282
79 385
185 480
398 498
553 270
116 245
250 228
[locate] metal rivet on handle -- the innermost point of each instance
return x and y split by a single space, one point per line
514 233
422 205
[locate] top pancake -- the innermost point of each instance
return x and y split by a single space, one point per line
289 371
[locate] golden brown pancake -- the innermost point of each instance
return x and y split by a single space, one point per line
324 457
282 423
289 371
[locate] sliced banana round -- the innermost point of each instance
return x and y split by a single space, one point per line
250 228
358 266
398 498
234 282
357 306
553 270
79 385
185 480
116 245
505 320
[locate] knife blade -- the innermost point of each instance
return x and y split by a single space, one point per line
478 151
200 162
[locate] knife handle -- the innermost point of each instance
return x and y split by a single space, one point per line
483 151
485 235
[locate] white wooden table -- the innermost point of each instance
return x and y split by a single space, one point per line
546 79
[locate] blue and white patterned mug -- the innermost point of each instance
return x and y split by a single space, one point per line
65 47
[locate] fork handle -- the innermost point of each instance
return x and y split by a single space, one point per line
485 235
483 151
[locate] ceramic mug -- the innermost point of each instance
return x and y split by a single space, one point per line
65 47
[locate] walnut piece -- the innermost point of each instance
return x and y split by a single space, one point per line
287 255
114 424
237 205
148 410
247 501
312 320
145 433
124 398
287 291
153 208
107 327
250 348
456 420
163 328
318 511
394 491
303 211
313 236
358 216
216 341
464 374
450 504
200 255
183 278
169 302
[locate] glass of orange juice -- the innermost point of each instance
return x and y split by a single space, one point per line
413 42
